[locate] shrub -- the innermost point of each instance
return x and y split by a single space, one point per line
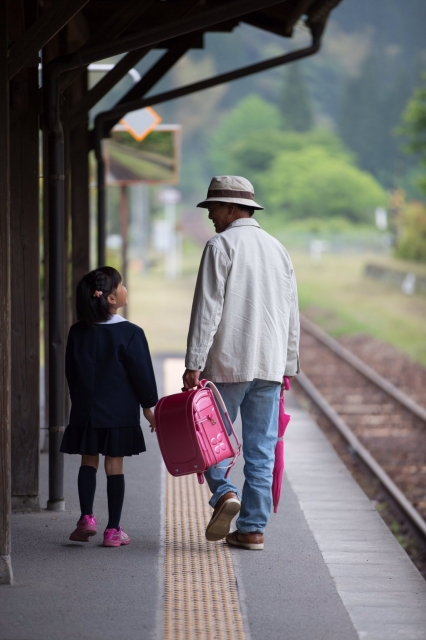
411 240
315 182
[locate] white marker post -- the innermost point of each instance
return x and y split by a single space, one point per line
170 198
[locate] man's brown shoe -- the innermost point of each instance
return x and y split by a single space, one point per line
226 508
253 541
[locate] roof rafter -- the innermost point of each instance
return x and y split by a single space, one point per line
104 119
150 79
105 84
195 22
39 34
79 111
111 29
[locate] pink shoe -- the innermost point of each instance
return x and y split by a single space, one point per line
115 537
86 528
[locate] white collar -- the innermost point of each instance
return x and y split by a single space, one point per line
243 222
114 319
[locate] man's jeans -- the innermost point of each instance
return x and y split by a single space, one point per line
258 402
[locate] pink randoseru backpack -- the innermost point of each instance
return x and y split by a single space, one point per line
191 432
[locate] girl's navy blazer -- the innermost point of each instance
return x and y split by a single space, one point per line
110 375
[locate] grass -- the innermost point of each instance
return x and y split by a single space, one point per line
335 293
340 298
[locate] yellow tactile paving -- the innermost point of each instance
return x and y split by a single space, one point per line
201 596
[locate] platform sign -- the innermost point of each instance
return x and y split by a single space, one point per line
154 159
140 123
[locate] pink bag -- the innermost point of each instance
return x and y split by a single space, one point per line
191 432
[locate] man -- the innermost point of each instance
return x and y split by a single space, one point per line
244 336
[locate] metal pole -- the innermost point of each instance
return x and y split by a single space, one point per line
124 230
56 198
101 198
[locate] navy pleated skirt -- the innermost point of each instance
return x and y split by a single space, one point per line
114 442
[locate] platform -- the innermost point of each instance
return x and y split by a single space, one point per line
330 570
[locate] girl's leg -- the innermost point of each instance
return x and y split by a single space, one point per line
115 490
87 483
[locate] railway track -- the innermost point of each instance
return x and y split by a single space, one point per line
383 425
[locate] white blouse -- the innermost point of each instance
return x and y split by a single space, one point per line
114 319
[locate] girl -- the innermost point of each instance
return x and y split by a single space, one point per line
110 376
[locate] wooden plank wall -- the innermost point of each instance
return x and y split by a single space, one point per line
6 576
25 266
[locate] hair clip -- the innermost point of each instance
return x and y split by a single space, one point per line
97 294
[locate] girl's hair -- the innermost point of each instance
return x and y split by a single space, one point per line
92 291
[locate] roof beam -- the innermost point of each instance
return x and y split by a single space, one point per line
150 79
39 34
279 20
320 10
119 111
194 22
118 22
79 111
101 88
111 29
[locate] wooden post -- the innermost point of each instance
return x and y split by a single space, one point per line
6 575
25 269
124 230
56 47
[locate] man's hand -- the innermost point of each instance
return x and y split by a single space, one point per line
283 383
190 378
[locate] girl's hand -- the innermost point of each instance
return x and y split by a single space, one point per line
149 415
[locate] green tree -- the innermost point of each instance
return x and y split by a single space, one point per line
414 126
295 104
368 115
316 183
252 115
359 120
252 154
411 242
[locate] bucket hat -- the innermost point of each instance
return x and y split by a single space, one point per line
233 189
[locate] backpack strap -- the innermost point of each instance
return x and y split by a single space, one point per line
216 393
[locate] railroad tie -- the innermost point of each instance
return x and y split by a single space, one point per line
200 588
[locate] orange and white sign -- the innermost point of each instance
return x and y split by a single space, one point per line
140 123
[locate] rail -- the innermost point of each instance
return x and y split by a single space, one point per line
363 368
316 396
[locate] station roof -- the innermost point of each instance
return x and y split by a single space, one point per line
278 18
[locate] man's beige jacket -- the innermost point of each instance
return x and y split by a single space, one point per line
245 316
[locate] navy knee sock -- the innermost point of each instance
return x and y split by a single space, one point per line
115 493
86 489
